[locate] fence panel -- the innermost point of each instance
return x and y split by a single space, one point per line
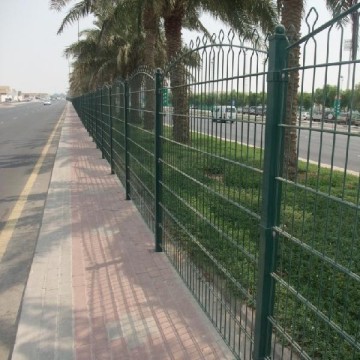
141 143
105 123
212 175
118 129
97 117
317 276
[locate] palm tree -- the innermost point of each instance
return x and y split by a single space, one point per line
94 62
136 49
86 64
337 7
291 13
136 15
109 50
117 48
242 15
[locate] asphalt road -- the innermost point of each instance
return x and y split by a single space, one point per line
321 143
29 136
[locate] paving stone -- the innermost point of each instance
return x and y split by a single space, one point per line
97 290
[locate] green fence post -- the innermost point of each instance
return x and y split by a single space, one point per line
102 122
86 115
79 109
81 100
98 119
93 122
86 110
126 145
270 194
111 131
94 107
158 160
86 104
94 115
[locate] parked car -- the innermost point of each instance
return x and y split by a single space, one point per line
323 116
316 116
260 110
329 116
343 118
352 118
224 113
304 115
355 118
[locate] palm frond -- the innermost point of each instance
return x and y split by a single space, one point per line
81 9
58 5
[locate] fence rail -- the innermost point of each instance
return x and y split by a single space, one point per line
256 207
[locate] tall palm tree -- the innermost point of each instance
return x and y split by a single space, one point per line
242 15
291 14
130 52
140 49
114 14
119 39
107 51
94 62
337 7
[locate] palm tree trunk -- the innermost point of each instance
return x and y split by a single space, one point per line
291 18
355 33
173 25
150 23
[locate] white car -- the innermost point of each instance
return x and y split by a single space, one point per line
304 115
224 113
47 102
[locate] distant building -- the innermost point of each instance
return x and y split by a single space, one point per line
5 93
9 94
27 95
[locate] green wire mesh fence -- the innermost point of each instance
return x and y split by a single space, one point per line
244 163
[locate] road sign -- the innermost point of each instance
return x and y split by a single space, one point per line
337 106
165 94
347 45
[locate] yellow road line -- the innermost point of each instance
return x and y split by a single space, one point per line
16 212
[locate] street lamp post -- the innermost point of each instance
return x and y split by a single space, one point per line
347 47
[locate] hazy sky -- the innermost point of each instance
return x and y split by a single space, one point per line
31 53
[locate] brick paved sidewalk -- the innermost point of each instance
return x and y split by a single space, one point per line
97 290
